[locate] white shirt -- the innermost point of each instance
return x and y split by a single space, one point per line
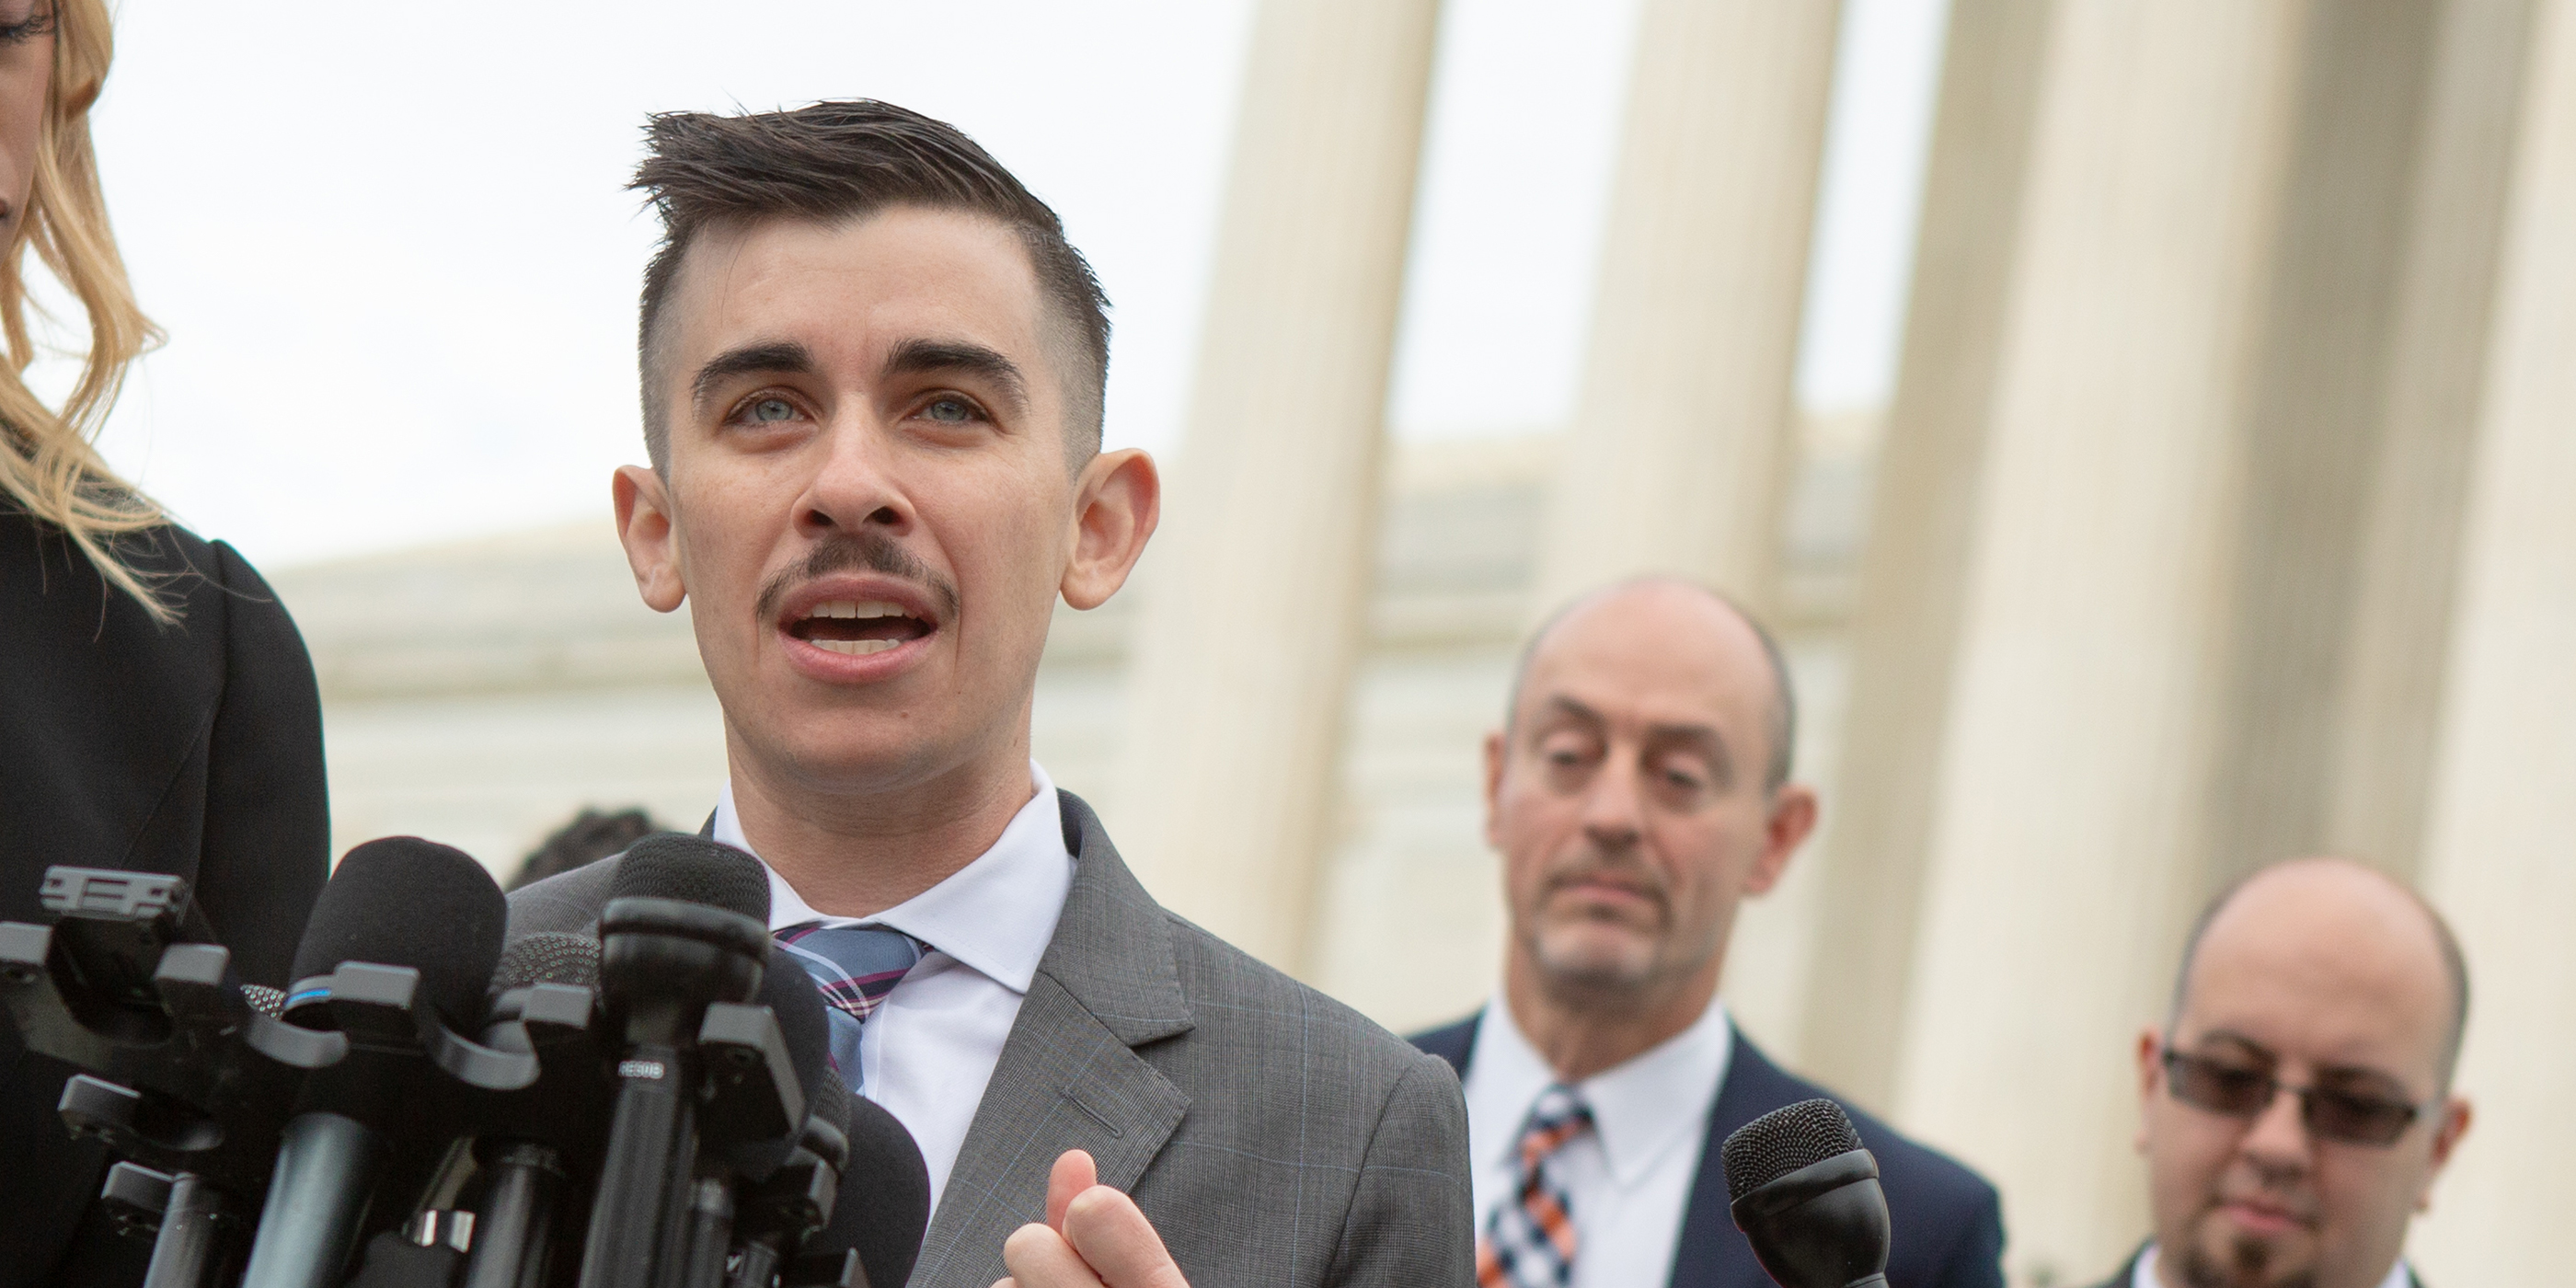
1629 1179
930 1048
2145 1275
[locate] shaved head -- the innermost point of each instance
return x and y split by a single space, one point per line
1782 721
2296 1108
2374 901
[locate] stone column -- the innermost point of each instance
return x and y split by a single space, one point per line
2387 702
1258 586
2374 331
1683 435
2070 789
1905 633
2504 789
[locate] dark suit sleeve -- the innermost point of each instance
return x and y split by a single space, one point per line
1411 1220
1976 1260
268 828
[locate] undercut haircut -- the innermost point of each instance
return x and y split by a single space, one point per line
1781 717
2455 964
839 161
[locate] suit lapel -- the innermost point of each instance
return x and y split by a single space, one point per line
1069 1076
1711 1252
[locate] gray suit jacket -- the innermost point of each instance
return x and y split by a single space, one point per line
1272 1135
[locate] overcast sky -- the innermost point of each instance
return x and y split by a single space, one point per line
398 267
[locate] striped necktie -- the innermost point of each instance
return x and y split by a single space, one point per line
1529 1242
854 967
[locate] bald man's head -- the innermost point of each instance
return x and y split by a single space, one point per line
2370 898
1781 718
2296 1109
1637 793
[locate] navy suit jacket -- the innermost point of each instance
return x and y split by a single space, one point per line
1949 1224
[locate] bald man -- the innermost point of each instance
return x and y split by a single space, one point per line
2297 1105
1637 792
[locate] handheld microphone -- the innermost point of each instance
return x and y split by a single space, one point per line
884 1205
753 1146
776 1216
687 925
1807 1197
432 912
125 983
513 1226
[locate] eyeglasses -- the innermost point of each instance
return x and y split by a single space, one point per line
2352 1117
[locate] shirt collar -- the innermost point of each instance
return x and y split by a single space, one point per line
1631 1104
995 915
2145 1274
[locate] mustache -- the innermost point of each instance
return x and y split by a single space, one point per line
867 550
1612 869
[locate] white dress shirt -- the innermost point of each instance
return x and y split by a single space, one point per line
2145 1275
1629 1179
930 1048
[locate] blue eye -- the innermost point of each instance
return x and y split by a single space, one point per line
953 411
773 409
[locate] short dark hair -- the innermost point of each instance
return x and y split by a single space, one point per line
591 836
845 160
1782 716
2455 963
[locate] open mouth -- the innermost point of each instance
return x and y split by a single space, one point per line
857 626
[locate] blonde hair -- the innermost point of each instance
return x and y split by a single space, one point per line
52 469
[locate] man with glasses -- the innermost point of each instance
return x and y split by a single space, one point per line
2297 1105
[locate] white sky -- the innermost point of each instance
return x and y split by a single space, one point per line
398 267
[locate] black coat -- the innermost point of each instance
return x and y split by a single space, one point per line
1949 1223
2129 1270
193 749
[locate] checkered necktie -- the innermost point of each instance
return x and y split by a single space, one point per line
1529 1243
854 967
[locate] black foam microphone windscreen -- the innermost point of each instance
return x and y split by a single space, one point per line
672 866
1784 1140
1806 1195
403 901
548 957
789 993
884 1206
831 1103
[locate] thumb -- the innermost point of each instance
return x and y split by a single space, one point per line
1073 1174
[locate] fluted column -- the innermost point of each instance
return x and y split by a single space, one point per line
1256 601
2163 547
2070 788
1681 440
1924 513
2504 796
2380 743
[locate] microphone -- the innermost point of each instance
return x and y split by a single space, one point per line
805 1036
687 925
780 1213
1807 1197
513 1226
884 1205
433 913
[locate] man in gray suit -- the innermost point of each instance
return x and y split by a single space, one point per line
872 375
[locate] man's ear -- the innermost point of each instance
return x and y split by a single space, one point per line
1116 503
2151 1072
1495 750
2446 1137
647 527
1793 816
